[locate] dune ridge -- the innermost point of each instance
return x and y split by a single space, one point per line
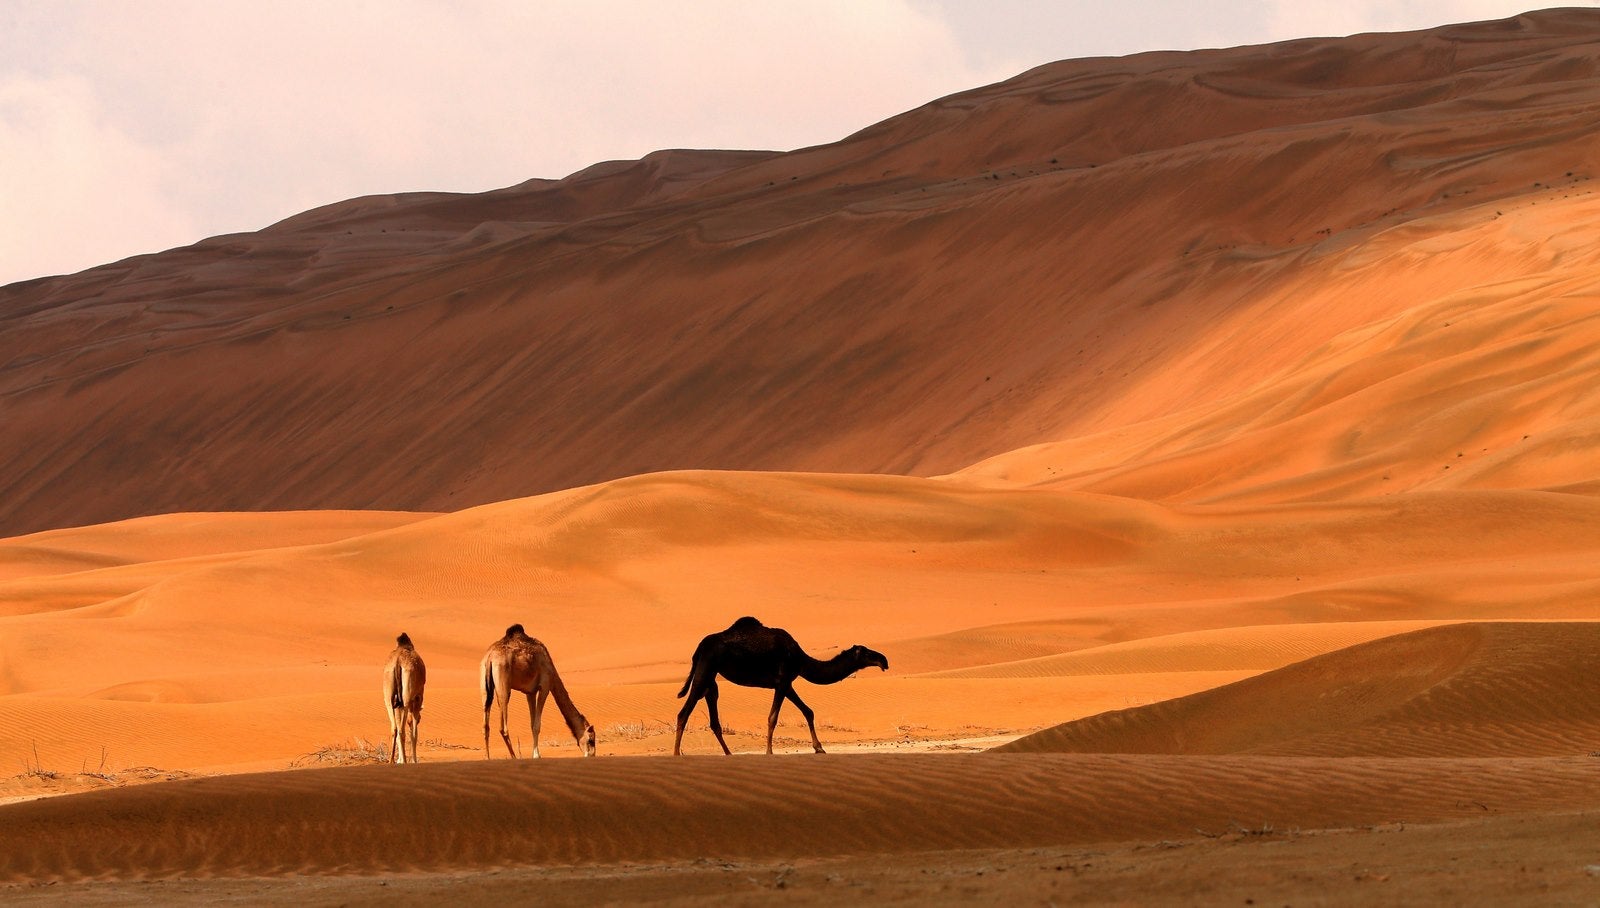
1252 648
1466 690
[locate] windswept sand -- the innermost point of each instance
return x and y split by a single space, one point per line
377 819
1216 433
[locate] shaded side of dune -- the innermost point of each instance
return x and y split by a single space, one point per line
372 819
1084 247
1468 690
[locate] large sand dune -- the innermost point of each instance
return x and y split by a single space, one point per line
1235 408
1094 246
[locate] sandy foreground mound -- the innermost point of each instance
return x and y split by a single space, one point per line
379 819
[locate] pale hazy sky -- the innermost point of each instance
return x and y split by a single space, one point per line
130 127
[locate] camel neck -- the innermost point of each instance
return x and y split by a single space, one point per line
576 723
833 670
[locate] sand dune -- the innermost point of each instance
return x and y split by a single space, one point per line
1480 387
1086 248
170 537
1471 690
487 815
1120 603
1228 649
1234 408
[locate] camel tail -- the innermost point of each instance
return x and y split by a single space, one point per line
695 660
488 687
396 694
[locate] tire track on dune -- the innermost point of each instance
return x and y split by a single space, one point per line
434 817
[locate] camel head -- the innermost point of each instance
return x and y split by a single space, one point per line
404 639
862 657
588 738
516 630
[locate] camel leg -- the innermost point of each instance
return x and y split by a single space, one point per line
486 754
772 716
716 720
697 690
504 735
683 719
536 709
416 720
810 717
502 699
396 739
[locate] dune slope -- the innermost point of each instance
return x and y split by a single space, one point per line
1087 247
1469 690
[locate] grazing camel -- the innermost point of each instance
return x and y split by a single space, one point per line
753 655
404 676
519 662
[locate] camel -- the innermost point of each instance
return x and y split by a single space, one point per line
751 654
519 662
404 676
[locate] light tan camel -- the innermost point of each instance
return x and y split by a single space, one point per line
404 676
519 662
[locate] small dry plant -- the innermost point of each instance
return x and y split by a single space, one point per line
36 770
345 753
639 730
98 772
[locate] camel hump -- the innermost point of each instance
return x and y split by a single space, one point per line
516 630
746 623
403 639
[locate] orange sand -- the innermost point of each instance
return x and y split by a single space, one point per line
1236 409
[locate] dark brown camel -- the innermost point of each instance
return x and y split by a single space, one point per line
753 655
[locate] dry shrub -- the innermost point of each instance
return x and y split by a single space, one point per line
346 753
